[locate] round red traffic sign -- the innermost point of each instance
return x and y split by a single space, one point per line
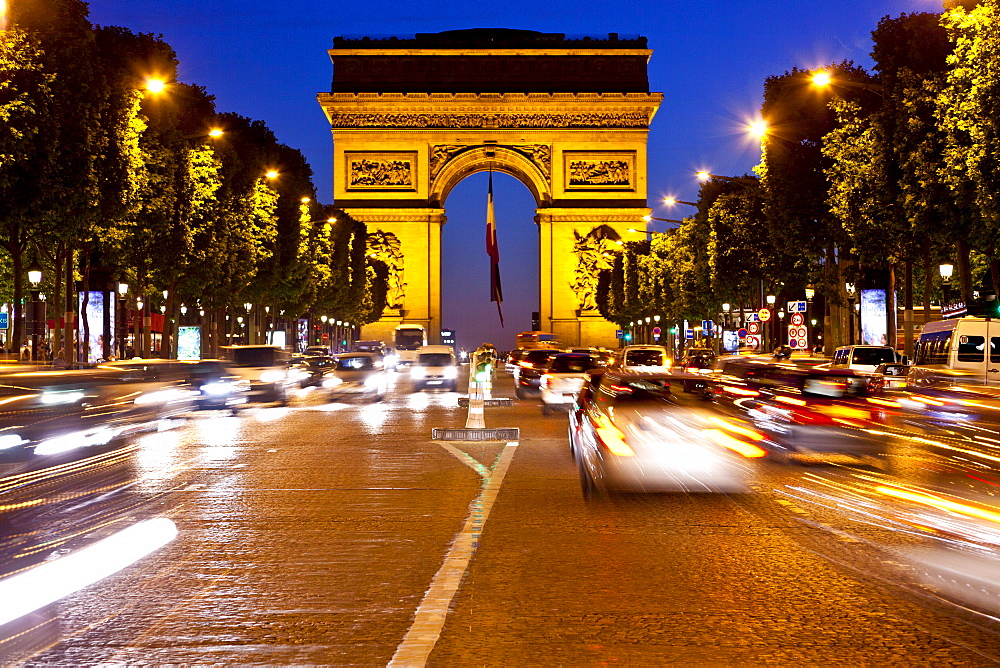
802 343
742 333
754 328
764 314
798 319
656 330
753 341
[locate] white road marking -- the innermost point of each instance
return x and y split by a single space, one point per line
429 619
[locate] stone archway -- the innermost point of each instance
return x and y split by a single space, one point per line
413 117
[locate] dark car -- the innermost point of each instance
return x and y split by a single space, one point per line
217 387
529 370
696 363
817 415
310 369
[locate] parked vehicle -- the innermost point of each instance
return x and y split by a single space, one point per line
434 366
563 379
265 368
356 374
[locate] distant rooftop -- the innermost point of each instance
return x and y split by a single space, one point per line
490 38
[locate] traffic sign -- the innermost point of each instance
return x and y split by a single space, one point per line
619 333
4 321
764 314
752 317
797 319
754 328
657 331
753 341
797 307
741 333
688 333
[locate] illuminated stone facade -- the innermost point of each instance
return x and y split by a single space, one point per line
409 124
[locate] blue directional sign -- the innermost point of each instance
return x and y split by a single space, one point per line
688 333
4 320
619 333
797 307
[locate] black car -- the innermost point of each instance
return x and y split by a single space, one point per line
695 365
529 370
310 369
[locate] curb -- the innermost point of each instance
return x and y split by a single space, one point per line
501 434
496 402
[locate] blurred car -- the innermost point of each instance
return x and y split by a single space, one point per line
629 432
863 358
817 415
356 374
696 362
218 388
888 377
644 356
564 377
309 370
435 366
265 369
513 359
530 368
389 357
316 350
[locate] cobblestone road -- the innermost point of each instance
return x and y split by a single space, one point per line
312 534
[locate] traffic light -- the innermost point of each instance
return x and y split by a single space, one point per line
627 336
673 330
483 371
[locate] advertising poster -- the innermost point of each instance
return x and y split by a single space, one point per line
95 321
189 343
277 338
303 335
873 322
730 341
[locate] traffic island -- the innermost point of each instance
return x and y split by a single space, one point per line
463 402
467 434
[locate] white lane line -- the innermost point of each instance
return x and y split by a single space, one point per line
419 641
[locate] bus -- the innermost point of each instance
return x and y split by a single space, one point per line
406 339
528 340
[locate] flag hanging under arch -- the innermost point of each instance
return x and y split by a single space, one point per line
493 250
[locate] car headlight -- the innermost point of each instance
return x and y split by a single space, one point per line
450 372
11 441
332 381
61 397
417 372
272 376
218 388
373 380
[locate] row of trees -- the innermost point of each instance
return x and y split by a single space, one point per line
97 170
867 178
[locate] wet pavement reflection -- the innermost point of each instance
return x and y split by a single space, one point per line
335 531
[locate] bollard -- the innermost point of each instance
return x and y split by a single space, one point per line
477 412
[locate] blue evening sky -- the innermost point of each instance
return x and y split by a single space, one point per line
266 59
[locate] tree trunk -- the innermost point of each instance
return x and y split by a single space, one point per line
17 314
928 280
890 308
908 307
69 340
964 270
84 320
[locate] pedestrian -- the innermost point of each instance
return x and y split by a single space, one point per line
26 351
43 351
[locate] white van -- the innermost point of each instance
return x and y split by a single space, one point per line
434 366
640 357
956 350
863 358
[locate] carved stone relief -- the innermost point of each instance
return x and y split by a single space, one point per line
381 171
599 171
538 154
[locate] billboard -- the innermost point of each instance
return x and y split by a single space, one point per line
730 341
100 323
874 331
189 343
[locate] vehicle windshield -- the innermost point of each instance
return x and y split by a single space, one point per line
354 363
253 356
539 356
435 359
873 356
573 364
644 358
409 339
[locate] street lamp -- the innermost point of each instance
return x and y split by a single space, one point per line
851 293
771 299
670 201
122 318
36 308
946 271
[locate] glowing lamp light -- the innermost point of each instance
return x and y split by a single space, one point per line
771 299
306 200
35 273
271 174
154 85
215 133
122 288
703 175
946 271
822 78
758 129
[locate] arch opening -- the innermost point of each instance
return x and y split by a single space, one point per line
465 266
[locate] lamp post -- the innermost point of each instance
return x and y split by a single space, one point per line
851 293
770 299
37 307
946 271
122 319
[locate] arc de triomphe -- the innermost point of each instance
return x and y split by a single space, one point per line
569 118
